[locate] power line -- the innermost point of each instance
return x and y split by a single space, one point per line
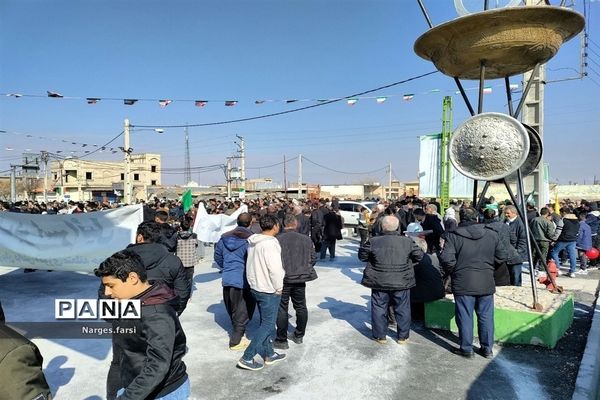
342 172
289 111
103 146
273 165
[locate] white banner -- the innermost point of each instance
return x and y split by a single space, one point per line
74 242
429 166
210 227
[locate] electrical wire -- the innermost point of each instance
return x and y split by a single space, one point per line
290 111
342 172
274 165
103 146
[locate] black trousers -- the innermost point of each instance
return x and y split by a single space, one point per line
297 292
189 275
240 305
113 380
328 244
364 236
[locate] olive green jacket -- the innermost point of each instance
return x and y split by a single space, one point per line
20 368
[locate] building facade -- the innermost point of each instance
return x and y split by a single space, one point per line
85 180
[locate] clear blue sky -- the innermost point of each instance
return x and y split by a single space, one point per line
253 50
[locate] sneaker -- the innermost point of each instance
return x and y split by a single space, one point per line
249 365
570 275
402 341
558 272
296 339
275 358
242 345
582 272
380 341
280 345
465 354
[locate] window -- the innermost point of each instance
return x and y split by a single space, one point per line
55 176
136 177
122 177
153 168
88 176
153 183
346 207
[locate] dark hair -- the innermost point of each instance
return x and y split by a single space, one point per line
544 211
244 220
418 212
289 220
468 214
565 210
185 223
120 265
150 231
267 222
582 215
489 213
162 216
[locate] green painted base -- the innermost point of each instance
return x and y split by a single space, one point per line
510 326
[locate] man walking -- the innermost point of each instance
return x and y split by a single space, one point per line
230 255
469 256
518 239
567 240
542 230
390 275
264 271
298 262
152 347
332 231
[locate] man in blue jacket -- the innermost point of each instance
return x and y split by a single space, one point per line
584 242
230 255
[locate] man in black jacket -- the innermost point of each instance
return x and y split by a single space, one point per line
567 240
469 256
298 262
518 239
152 347
168 234
390 275
161 267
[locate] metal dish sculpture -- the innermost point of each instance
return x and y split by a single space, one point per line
489 146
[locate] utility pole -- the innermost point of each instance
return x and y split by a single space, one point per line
188 169
228 177
127 150
389 197
13 183
284 176
444 178
533 115
300 176
45 160
242 152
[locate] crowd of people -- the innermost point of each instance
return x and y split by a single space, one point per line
413 254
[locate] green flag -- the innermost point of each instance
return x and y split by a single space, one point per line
186 200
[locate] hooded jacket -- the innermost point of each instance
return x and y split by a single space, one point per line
390 259
298 257
518 239
264 268
570 228
469 256
151 366
168 237
164 267
593 220
230 255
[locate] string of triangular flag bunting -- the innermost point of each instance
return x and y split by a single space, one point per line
163 103
113 150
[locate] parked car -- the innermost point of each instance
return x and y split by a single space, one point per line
350 211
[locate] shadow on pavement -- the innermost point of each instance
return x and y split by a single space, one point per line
354 314
220 315
57 376
208 277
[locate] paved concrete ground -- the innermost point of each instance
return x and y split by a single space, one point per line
337 359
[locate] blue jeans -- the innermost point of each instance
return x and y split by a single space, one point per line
514 271
181 393
570 246
484 307
268 305
380 300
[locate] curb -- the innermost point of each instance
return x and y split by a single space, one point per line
587 385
